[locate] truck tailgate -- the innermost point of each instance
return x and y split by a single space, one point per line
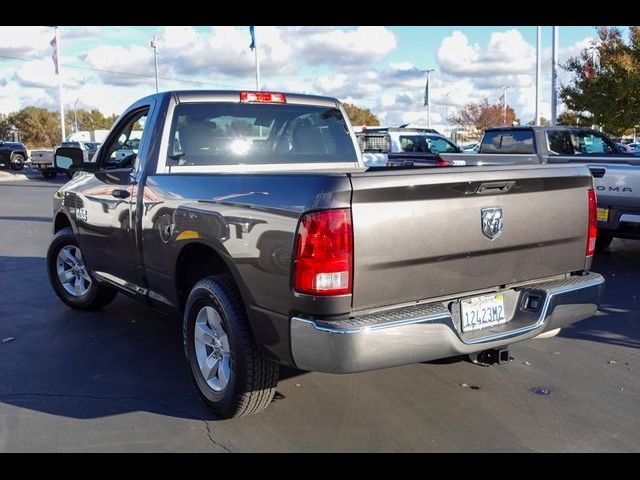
617 184
418 234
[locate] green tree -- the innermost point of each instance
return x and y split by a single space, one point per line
543 122
91 119
38 127
360 116
571 118
5 127
482 115
605 87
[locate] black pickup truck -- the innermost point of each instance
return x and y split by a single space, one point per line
13 155
252 218
616 172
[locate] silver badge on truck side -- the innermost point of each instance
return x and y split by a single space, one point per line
492 222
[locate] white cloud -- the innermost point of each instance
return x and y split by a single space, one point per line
41 74
25 40
82 32
508 53
508 60
343 86
347 47
225 51
136 61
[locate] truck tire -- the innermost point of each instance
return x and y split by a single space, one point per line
603 241
17 161
232 375
69 276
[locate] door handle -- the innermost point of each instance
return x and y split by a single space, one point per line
119 193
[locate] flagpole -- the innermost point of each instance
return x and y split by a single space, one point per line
538 72
58 73
554 77
257 61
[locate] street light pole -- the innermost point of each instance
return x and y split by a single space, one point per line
428 95
154 45
538 72
504 104
75 115
446 111
554 77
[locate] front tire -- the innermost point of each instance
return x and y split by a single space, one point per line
232 375
69 276
17 161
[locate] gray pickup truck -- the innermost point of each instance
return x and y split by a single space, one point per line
616 173
251 216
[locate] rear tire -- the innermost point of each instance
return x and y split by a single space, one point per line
80 290
232 375
17 161
603 241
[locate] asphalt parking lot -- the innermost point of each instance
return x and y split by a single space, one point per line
116 380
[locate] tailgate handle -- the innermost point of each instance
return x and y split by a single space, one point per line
494 187
598 172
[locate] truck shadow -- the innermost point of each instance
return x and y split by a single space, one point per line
617 320
126 357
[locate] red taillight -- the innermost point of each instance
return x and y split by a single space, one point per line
441 163
262 97
324 253
593 223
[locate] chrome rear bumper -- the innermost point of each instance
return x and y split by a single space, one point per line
431 331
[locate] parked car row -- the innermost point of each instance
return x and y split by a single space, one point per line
615 168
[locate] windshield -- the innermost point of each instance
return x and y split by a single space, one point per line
232 133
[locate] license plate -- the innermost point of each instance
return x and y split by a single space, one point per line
603 214
482 312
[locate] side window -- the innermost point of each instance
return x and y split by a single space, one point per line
440 145
560 142
122 151
590 142
415 143
407 144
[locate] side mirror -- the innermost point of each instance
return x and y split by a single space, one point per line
68 160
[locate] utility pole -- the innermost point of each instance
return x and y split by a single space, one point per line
154 45
59 75
538 72
504 105
428 96
554 77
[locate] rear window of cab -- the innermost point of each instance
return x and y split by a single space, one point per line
221 133
507 141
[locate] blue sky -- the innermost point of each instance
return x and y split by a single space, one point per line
382 68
